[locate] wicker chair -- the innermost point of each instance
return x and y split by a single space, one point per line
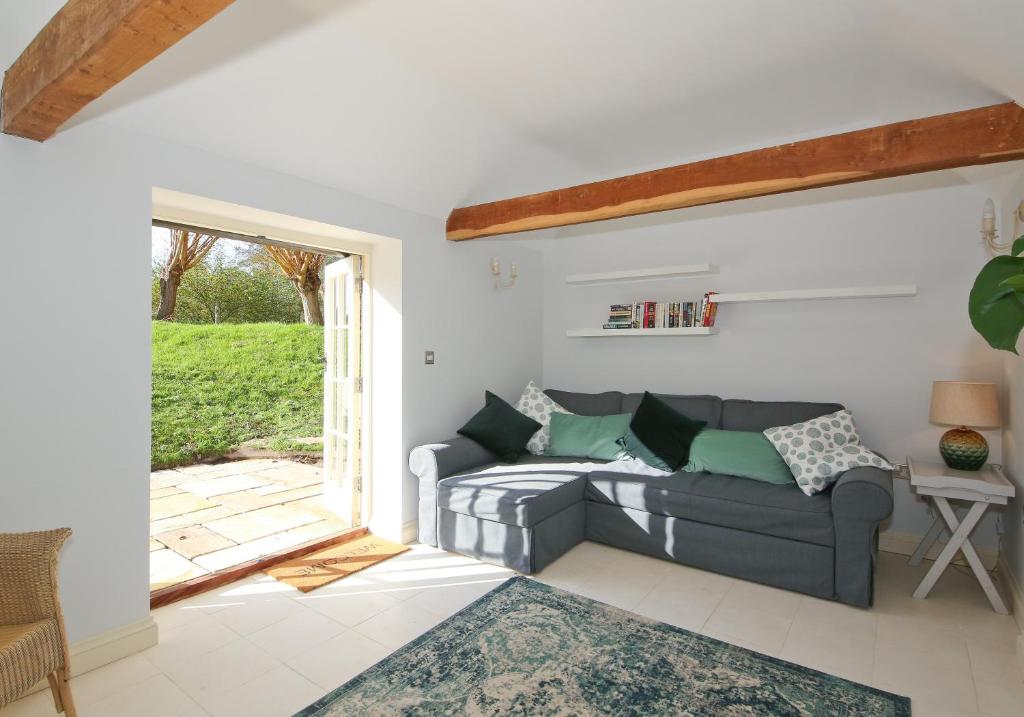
33 644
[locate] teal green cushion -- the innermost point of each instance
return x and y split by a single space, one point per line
745 454
636 448
595 437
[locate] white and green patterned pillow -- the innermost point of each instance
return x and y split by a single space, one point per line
818 451
538 405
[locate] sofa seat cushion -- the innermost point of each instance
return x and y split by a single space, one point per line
779 510
519 494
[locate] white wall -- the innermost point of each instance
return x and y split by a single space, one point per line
74 301
878 357
1013 430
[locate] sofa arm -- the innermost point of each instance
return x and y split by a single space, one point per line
434 461
861 499
863 494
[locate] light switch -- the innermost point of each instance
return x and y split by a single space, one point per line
428 358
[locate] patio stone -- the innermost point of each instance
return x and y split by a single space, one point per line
259 523
194 540
166 479
174 505
166 567
172 523
209 487
164 492
269 544
216 516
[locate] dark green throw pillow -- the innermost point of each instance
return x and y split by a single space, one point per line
500 428
664 430
635 447
747 454
596 437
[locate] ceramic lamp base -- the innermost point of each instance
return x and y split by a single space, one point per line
963 449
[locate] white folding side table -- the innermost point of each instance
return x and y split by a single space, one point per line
981 489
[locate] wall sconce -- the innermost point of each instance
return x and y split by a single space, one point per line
500 283
988 227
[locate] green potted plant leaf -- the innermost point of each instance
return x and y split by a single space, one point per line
996 305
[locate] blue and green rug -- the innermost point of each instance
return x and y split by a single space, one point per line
527 648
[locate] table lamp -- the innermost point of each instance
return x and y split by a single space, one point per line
963 404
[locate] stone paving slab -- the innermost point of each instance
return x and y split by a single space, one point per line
174 505
193 541
214 516
255 524
209 487
166 568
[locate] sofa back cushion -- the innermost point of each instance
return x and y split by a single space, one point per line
608 403
741 415
698 408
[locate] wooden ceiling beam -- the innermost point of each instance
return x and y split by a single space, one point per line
87 48
977 136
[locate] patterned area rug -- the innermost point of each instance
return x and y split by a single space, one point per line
527 648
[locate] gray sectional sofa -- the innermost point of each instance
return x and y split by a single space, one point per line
525 515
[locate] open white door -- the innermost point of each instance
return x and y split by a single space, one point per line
343 387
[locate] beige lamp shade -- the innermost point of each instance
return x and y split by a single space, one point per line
963 403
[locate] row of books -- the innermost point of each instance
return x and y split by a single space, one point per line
662 315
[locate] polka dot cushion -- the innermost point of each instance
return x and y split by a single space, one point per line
818 451
538 405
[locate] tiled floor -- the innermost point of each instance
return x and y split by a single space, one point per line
205 518
260 648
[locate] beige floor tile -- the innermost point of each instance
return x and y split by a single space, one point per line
174 505
108 680
282 691
193 541
157 696
684 599
296 634
1000 698
155 545
935 676
747 627
262 522
248 615
839 649
168 568
445 600
781 603
336 661
398 625
209 675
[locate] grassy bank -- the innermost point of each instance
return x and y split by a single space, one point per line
217 386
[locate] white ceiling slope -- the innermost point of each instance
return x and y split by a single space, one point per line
431 105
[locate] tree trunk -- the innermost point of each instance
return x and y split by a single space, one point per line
312 314
169 283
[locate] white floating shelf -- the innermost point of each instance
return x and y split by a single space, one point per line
664 272
601 333
863 292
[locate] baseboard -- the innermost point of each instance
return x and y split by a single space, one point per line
1016 600
410 532
109 646
906 543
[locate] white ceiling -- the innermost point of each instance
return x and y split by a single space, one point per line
430 105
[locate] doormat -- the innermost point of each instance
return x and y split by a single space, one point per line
338 561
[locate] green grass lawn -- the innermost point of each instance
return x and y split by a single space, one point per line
216 386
